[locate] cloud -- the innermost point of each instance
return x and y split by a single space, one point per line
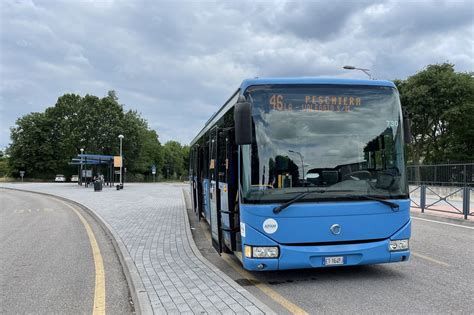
311 20
178 62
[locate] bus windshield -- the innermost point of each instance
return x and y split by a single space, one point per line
333 138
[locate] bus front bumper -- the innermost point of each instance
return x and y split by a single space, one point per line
296 257
364 253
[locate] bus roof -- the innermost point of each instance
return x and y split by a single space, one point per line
286 80
312 80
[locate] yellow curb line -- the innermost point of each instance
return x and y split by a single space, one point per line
290 306
275 296
99 292
430 259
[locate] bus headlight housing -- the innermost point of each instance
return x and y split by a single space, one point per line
261 251
399 245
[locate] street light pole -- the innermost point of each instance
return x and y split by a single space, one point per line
302 163
366 71
82 153
121 159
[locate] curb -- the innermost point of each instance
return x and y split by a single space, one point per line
262 306
142 305
430 216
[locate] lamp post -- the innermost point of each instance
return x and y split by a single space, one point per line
82 153
366 71
302 163
121 160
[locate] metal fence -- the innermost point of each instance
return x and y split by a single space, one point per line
442 187
460 175
456 200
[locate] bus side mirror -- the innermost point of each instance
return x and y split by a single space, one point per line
243 122
406 126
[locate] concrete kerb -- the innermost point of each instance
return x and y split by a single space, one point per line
142 304
459 221
263 307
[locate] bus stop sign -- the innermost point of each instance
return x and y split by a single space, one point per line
22 174
153 169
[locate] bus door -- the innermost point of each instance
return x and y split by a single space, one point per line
203 186
227 187
214 193
195 180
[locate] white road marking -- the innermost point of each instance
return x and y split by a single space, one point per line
445 223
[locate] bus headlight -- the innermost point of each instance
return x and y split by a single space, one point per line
261 251
398 245
265 252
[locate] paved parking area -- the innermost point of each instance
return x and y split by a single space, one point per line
150 220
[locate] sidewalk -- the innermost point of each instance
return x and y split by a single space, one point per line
151 223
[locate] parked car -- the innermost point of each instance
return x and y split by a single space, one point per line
74 178
60 178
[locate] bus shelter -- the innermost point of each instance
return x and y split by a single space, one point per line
94 165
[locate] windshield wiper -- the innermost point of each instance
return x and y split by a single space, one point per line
278 209
394 206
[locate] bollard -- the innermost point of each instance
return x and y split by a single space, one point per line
466 196
422 198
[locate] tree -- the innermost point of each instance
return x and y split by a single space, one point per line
459 141
439 101
33 148
4 169
151 152
185 153
173 160
44 143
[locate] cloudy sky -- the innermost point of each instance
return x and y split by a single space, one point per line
176 62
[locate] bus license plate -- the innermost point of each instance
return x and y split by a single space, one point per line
334 261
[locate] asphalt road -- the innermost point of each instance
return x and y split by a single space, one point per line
438 278
47 260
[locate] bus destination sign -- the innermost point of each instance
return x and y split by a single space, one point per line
316 103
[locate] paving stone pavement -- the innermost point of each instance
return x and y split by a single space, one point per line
151 221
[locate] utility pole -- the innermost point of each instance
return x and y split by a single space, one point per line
121 160
82 157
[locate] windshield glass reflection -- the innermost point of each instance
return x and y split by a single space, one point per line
313 137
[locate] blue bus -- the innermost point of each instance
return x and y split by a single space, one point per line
304 173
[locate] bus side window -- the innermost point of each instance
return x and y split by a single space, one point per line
222 156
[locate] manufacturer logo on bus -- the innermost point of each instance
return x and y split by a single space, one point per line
270 226
335 229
